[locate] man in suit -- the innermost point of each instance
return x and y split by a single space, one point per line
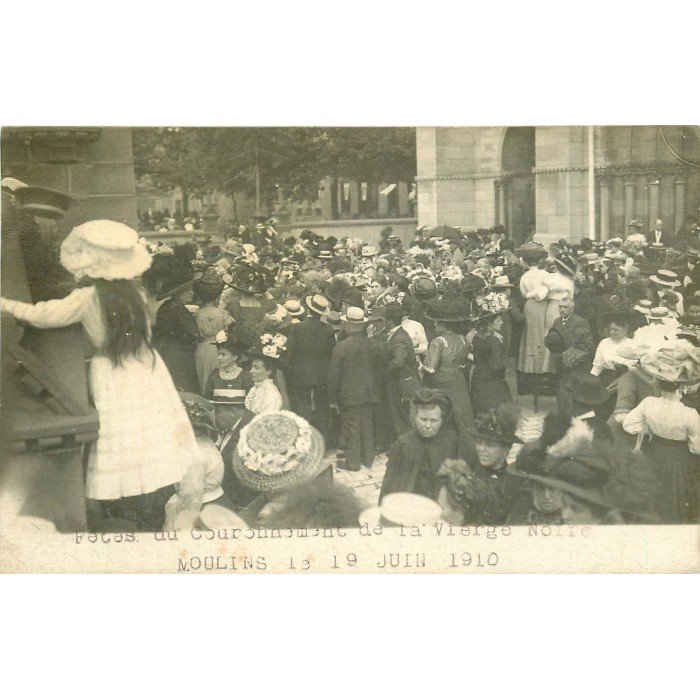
571 340
658 235
353 385
402 380
309 362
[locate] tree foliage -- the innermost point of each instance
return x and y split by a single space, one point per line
288 160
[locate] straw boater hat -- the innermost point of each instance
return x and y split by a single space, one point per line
104 249
294 308
318 304
643 306
405 509
501 282
278 450
667 278
354 316
368 251
658 313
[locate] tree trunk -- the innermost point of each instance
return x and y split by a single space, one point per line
235 206
185 202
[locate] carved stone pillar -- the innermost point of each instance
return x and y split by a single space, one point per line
678 203
629 201
654 191
604 210
500 202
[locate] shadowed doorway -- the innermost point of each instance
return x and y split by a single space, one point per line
518 161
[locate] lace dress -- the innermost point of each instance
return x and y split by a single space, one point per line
146 441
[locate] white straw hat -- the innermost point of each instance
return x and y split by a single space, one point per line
104 249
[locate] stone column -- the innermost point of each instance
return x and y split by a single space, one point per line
629 202
404 207
500 202
678 203
654 191
604 210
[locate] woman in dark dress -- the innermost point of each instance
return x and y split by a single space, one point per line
488 388
175 336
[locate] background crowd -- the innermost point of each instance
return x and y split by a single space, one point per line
282 350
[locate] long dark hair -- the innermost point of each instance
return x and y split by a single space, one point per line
126 320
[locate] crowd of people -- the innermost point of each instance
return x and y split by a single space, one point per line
225 375
162 220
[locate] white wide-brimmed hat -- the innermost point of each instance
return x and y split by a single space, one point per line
104 249
294 308
405 509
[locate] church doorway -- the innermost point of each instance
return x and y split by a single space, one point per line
518 183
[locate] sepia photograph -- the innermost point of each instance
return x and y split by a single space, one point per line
239 334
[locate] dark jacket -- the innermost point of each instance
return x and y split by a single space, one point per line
401 366
573 341
354 374
310 355
414 461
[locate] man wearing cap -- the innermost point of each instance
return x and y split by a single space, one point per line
309 362
353 385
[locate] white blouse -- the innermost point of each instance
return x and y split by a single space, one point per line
263 397
667 418
81 306
606 356
416 332
560 286
533 284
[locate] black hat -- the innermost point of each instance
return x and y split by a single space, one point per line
43 202
499 424
249 279
176 285
589 390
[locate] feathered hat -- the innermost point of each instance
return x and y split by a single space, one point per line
498 425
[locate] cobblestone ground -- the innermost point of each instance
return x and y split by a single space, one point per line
367 482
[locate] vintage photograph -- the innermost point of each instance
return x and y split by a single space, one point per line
254 339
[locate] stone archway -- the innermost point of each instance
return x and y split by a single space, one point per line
518 183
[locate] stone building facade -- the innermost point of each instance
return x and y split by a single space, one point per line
535 179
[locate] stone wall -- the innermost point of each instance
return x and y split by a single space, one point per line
95 166
471 177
